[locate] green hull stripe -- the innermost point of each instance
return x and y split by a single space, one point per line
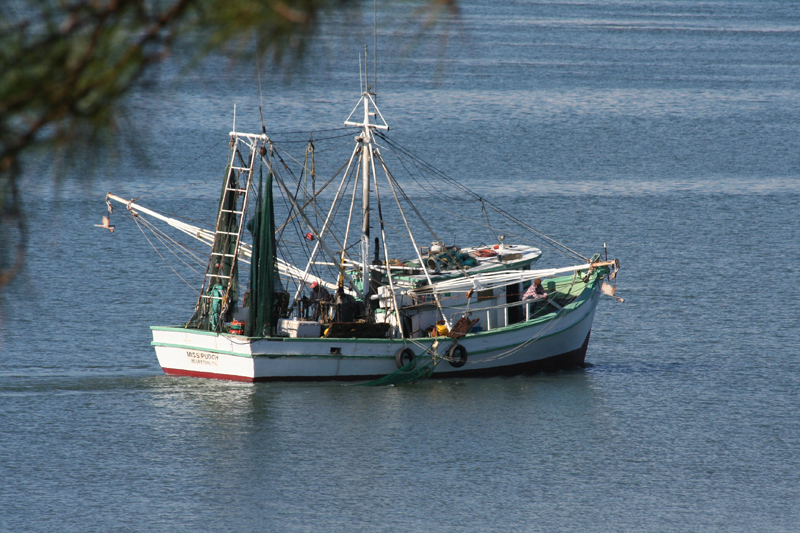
199 349
268 355
572 307
537 338
341 357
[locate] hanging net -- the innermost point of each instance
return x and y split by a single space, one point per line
223 269
261 318
418 369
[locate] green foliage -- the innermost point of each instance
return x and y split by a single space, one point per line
66 64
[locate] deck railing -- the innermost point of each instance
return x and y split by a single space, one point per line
489 311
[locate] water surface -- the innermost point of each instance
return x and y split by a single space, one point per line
667 129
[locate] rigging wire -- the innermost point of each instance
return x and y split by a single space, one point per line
486 215
483 208
277 139
455 183
334 147
422 174
397 231
518 236
299 185
260 94
187 165
328 227
297 224
440 193
399 152
432 169
454 261
304 132
324 186
164 239
162 257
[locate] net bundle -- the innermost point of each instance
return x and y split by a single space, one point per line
418 369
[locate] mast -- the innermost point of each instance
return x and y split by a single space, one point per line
366 148
367 103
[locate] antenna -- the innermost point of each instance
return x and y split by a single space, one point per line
366 66
375 48
261 98
263 128
360 76
260 93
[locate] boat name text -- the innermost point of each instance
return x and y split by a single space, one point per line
203 358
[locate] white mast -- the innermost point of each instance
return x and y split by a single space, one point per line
366 149
365 139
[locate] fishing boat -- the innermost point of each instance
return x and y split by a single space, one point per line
395 309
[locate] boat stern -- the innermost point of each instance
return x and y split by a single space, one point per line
188 352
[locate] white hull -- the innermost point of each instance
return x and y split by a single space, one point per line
527 346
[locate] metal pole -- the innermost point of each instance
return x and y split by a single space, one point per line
365 155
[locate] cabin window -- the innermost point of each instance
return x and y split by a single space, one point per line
486 294
335 350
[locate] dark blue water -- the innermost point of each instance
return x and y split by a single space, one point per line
667 129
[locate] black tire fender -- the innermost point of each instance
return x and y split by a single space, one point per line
404 356
457 356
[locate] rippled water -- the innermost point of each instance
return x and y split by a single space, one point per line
667 129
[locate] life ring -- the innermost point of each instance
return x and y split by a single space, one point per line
404 356
484 253
459 360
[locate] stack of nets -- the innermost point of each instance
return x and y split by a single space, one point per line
420 368
454 260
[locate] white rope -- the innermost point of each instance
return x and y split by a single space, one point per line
163 238
293 200
336 201
411 235
162 257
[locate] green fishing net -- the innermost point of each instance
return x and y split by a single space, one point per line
418 369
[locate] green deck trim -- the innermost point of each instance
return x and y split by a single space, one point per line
269 355
537 338
570 308
584 295
181 328
343 357
576 287
520 325
200 349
